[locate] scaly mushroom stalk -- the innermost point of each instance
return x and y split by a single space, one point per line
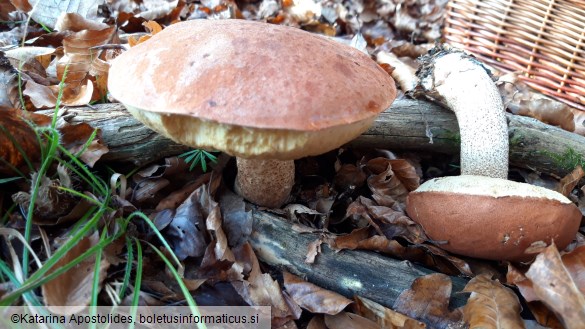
265 182
462 84
480 213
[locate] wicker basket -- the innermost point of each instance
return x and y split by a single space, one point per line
542 39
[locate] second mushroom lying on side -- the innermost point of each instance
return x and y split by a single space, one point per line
480 213
267 94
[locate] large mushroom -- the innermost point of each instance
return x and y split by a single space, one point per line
267 94
480 213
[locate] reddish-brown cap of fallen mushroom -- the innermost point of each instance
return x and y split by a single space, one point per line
251 89
492 218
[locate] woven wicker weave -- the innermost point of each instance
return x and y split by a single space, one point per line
543 39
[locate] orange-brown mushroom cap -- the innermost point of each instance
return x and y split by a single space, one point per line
492 218
251 89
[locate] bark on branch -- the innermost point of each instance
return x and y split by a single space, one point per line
348 272
406 126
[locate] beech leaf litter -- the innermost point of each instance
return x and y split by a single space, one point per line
55 55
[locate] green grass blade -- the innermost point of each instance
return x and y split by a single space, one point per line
129 266
157 233
188 297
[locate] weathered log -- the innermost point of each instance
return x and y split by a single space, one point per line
128 139
405 126
348 272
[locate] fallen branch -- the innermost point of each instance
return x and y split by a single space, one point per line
348 272
406 126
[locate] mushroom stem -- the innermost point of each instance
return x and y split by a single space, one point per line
266 183
462 84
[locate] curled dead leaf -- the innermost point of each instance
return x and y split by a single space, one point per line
73 288
75 138
484 307
312 297
261 289
385 317
403 73
18 142
152 27
556 285
187 231
568 183
428 299
393 178
346 320
521 99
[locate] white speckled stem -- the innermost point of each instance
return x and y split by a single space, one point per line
468 90
266 183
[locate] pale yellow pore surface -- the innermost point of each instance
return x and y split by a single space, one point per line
488 186
247 142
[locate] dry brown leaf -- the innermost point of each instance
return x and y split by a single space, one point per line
98 71
186 232
568 183
579 119
82 52
403 74
345 320
178 196
387 221
404 48
554 284
574 262
396 224
74 287
348 176
41 96
521 99
295 209
312 297
152 27
406 172
516 277
148 188
313 249
5 9
385 181
22 5
385 317
74 138
172 166
383 245
360 239
261 290
221 249
237 222
428 300
544 316
9 94
52 205
48 12
46 96
351 240
317 322
435 257
15 133
23 54
491 305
